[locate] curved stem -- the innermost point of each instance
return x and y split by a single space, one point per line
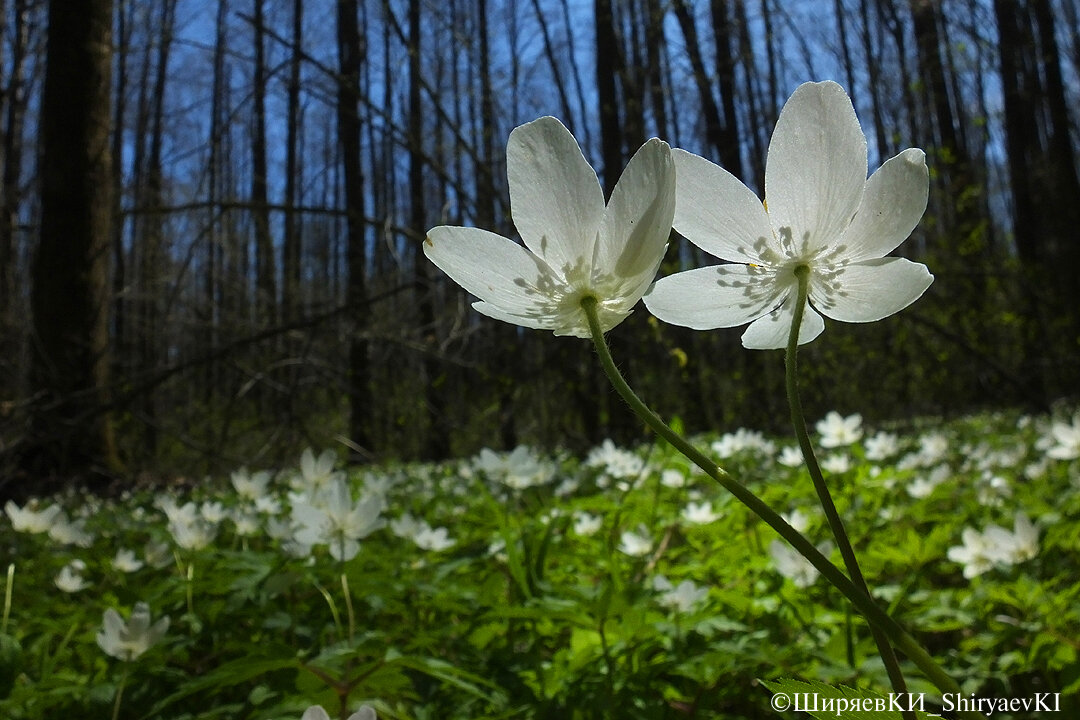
836 524
860 599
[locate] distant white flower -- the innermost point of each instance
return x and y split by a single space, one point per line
29 519
317 472
920 488
634 544
332 518
976 554
586 524
520 469
682 597
741 440
794 566
124 561
70 578
245 522
213 512
932 449
575 246
316 712
128 640
616 462
250 486
797 519
406 526
700 513
791 457
837 463
67 532
820 212
839 431
1066 439
193 534
881 446
672 478
268 505
434 539
179 514
1025 539
157 554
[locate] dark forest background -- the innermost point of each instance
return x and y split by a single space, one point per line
211 215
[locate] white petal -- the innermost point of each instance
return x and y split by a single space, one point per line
531 318
555 199
872 289
892 204
637 222
816 168
713 297
491 267
315 712
716 212
771 332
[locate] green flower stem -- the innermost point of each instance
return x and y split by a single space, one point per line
860 599
8 589
836 524
119 695
348 605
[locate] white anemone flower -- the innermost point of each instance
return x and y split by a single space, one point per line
682 597
792 565
332 518
316 712
820 212
575 246
701 513
635 544
125 561
838 431
1066 438
29 519
128 640
70 578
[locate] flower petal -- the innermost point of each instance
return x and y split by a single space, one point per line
637 223
530 318
717 212
872 289
491 267
771 332
816 168
555 199
893 203
713 297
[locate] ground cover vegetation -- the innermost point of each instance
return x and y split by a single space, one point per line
619 583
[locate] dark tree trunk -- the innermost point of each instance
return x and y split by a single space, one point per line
350 58
11 196
265 270
71 432
290 255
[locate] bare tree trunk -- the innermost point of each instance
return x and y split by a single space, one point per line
611 135
350 58
290 261
151 237
436 445
714 127
265 270
11 197
71 431
729 148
